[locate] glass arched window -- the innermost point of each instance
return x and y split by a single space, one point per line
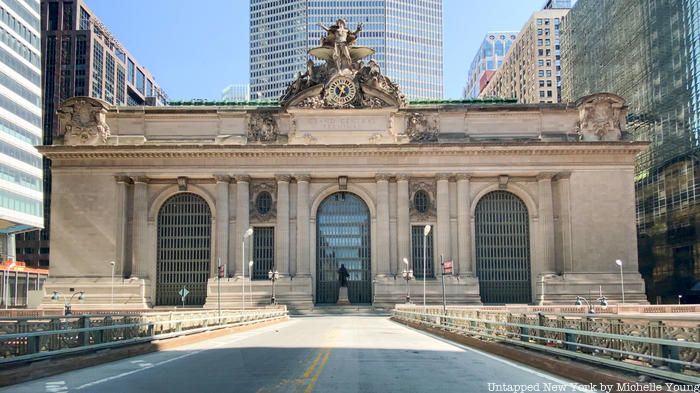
263 202
421 201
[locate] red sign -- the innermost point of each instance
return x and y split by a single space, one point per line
447 267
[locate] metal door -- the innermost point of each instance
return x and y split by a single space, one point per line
343 238
184 250
503 248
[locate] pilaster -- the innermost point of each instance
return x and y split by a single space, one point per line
464 265
383 267
302 267
282 225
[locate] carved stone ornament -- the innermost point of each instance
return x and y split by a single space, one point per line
602 117
83 121
262 127
255 189
421 128
343 80
429 188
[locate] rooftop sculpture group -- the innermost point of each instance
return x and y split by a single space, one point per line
343 80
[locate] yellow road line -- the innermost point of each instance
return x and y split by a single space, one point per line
309 370
310 386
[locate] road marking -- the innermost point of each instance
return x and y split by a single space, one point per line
508 362
309 370
124 374
310 386
55 387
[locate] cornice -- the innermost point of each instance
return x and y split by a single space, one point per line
318 151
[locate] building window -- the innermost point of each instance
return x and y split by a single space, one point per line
263 252
420 254
541 93
542 83
421 201
84 19
131 72
140 81
263 202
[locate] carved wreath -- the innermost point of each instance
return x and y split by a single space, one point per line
421 128
262 127
255 190
429 188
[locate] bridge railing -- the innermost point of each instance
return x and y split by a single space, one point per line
667 349
34 338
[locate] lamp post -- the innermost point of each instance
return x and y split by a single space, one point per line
111 299
67 303
679 298
542 289
602 300
273 276
622 280
426 231
245 236
250 275
408 276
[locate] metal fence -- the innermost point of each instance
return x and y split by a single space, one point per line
34 338
667 349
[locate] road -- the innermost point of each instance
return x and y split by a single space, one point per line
363 354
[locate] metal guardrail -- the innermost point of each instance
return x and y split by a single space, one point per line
31 339
641 351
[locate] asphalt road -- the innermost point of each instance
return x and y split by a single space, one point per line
363 354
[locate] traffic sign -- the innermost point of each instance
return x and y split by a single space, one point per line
447 267
183 292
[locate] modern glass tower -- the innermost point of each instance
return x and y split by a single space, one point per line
487 60
21 206
406 34
649 53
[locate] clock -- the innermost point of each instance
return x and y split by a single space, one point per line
341 90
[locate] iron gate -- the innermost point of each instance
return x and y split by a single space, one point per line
184 238
503 248
343 238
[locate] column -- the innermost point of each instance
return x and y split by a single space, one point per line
302 267
140 227
443 219
122 266
383 224
222 218
282 227
403 221
242 224
464 202
567 262
546 221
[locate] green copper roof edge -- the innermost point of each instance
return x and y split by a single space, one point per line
277 104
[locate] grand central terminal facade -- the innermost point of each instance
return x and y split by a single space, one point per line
522 198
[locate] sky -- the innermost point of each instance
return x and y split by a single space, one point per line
194 49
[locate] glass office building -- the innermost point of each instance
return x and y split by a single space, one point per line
649 53
406 34
488 59
21 207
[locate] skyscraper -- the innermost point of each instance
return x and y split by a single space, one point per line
531 69
81 58
402 32
236 92
649 53
20 122
487 60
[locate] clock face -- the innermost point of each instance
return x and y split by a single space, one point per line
342 90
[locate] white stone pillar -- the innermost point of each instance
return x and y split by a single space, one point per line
303 267
443 219
566 264
546 221
403 222
464 202
222 221
282 226
122 266
242 224
383 242
140 227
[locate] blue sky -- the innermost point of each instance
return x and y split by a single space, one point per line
196 48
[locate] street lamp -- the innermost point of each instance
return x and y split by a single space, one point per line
679 298
602 300
542 289
250 283
111 299
408 276
67 303
426 231
245 236
622 280
273 276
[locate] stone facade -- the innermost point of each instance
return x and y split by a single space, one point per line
579 195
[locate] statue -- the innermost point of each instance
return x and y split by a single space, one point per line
602 117
343 276
341 38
